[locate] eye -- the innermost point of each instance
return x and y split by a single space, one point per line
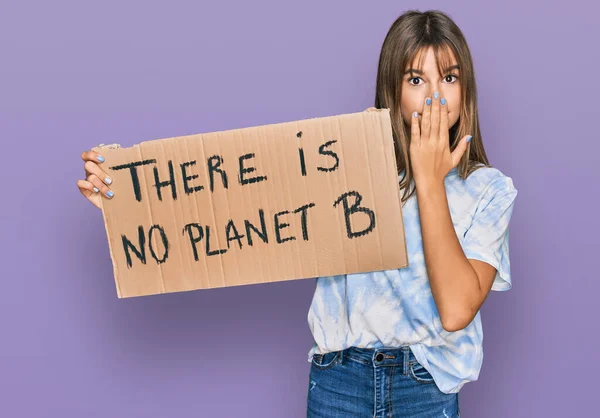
414 78
451 75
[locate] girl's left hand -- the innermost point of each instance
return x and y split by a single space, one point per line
430 154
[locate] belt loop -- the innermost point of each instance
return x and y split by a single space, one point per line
406 359
341 357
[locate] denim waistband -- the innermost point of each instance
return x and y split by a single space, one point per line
378 357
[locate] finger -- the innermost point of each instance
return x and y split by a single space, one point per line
415 132
100 186
444 134
86 188
460 149
435 117
426 119
93 168
92 156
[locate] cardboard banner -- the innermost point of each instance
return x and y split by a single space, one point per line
294 200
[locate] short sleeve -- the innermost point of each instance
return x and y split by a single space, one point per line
487 237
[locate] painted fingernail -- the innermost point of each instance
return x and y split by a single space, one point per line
443 101
428 101
415 114
100 158
96 190
107 180
469 138
110 193
436 95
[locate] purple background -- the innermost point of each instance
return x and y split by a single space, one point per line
73 75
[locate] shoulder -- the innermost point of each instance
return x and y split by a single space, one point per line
489 181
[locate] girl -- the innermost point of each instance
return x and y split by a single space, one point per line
402 343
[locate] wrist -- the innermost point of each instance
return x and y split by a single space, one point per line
428 187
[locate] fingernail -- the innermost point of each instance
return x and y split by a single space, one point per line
110 193
100 158
415 114
428 101
436 95
107 180
443 101
469 138
96 190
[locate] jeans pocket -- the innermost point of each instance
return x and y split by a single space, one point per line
420 373
325 361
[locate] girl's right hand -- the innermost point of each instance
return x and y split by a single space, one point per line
96 180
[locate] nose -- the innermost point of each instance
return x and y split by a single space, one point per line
436 87
435 84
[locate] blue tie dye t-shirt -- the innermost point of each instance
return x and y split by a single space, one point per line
394 308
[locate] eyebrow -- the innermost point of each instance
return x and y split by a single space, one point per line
412 70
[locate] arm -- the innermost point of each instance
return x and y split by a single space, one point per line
459 285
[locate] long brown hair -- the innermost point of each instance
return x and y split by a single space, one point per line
411 33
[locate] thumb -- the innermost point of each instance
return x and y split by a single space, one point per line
460 150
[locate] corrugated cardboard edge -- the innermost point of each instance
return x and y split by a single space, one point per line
398 194
112 257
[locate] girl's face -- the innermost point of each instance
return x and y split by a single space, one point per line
422 84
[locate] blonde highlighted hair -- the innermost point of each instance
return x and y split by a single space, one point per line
411 34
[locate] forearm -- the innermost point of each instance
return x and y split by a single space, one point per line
454 283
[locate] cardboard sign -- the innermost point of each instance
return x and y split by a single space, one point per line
286 201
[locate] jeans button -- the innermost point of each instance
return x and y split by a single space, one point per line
379 357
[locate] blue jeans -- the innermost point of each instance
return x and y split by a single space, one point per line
375 383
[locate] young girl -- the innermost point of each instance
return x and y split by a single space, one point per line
402 343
